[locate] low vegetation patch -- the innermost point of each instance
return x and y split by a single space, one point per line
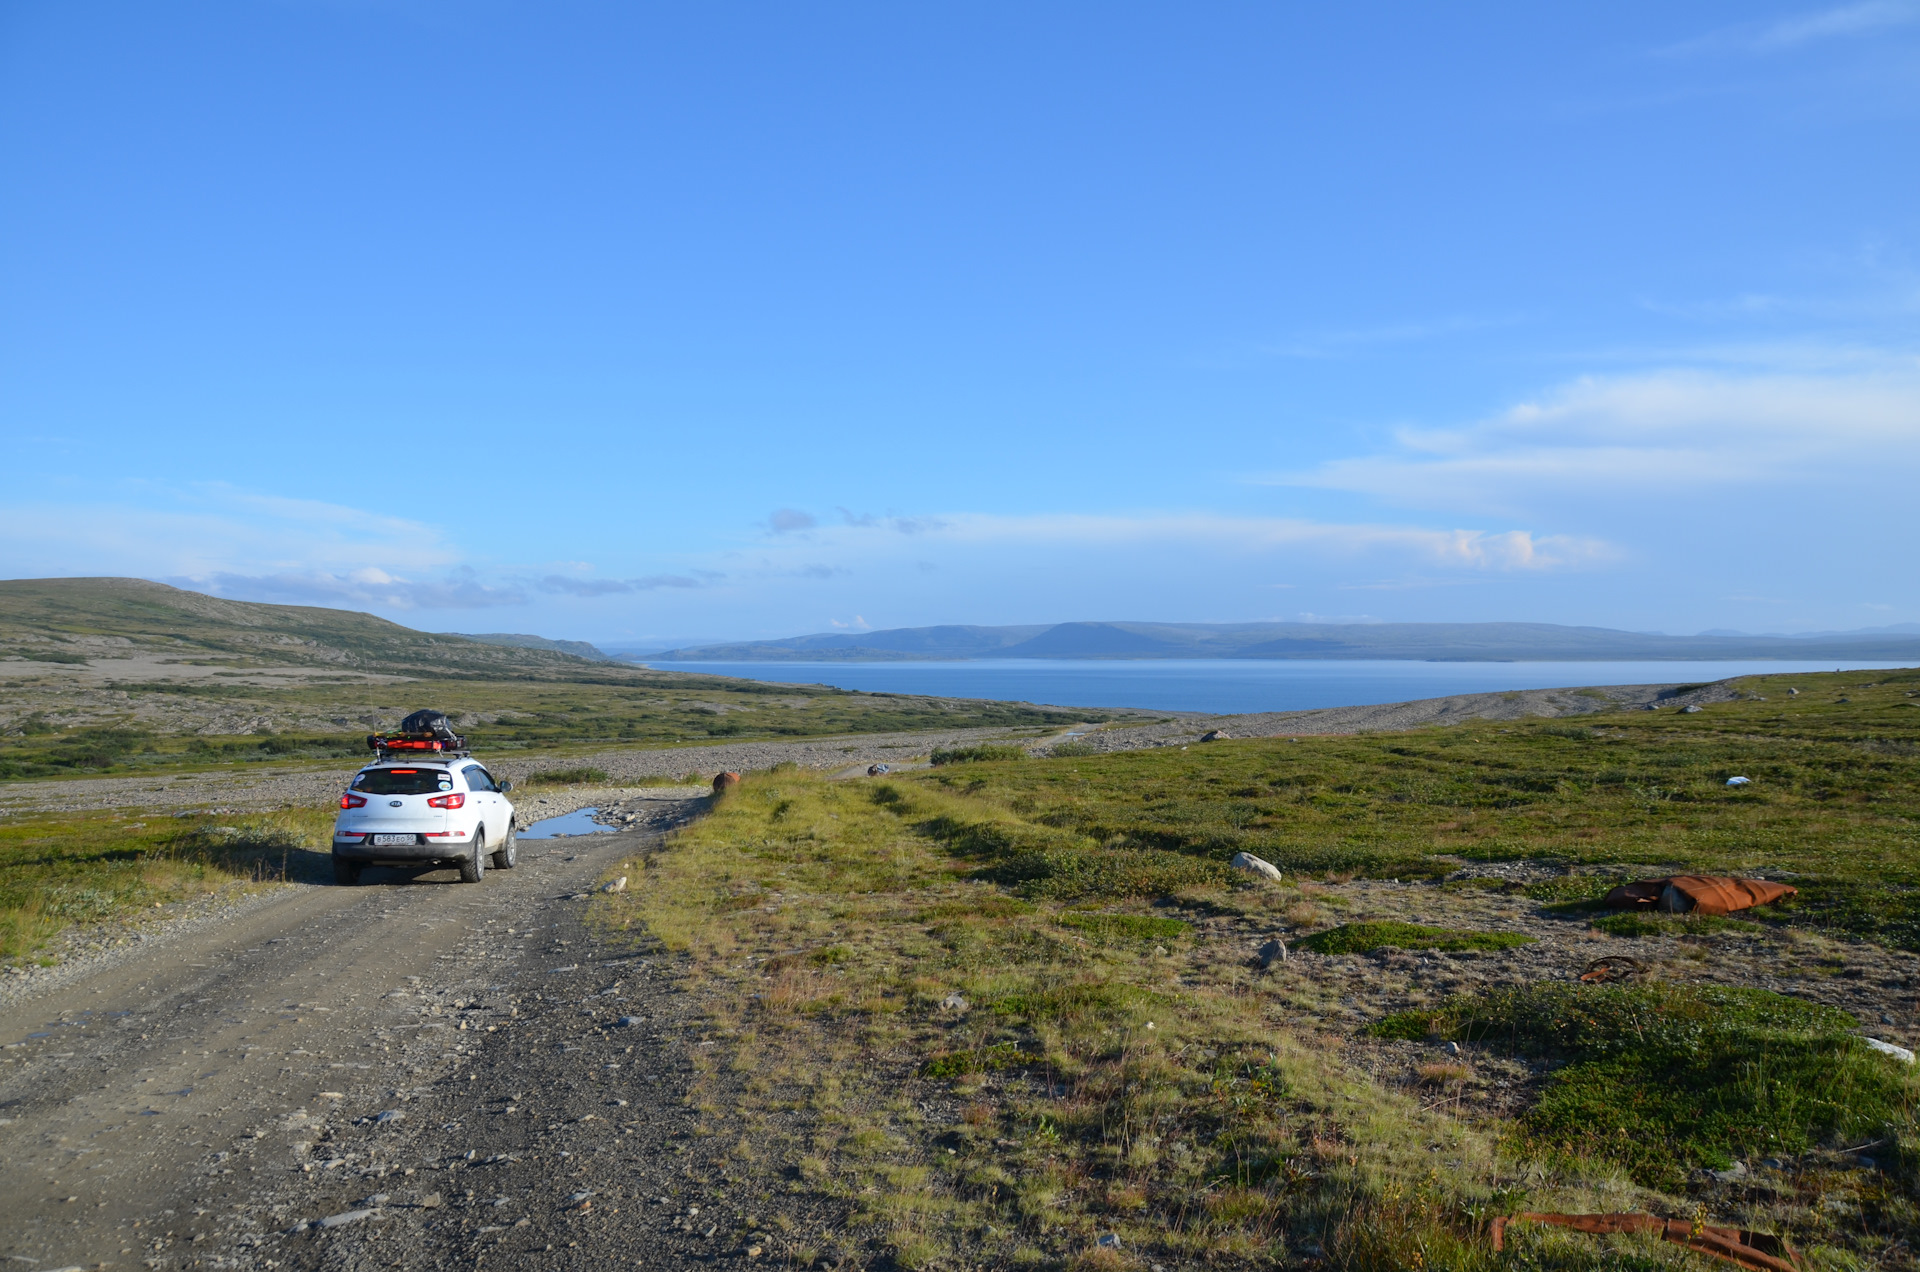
62 870
1363 938
1636 923
977 753
579 776
1663 1079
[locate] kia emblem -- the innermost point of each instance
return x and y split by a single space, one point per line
393 803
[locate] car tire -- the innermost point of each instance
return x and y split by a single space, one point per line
504 857
473 868
346 874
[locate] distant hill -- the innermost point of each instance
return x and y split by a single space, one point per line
1445 642
578 648
73 620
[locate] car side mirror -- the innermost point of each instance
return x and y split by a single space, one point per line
505 787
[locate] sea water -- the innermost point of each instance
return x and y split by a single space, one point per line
1226 685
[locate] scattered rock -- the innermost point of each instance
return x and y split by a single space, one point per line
1111 1240
391 1115
1888 1049
1214 735
1254 865
1274 951
343 1218
628 1022
617 885
1732 1175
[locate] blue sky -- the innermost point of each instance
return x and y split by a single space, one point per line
641 322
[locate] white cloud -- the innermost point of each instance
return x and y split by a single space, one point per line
214 530
1661 430
1841 22
1850 19
1221 536
373 588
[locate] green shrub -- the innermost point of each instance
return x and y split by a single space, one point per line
1073 750
1660 1079
943 755
581 776
1359 938
1570 890
1004 1055
1084 874
1634 923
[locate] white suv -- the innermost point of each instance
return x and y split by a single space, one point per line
439 810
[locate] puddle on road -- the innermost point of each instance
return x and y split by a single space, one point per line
579 822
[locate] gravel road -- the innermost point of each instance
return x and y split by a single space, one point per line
412 1073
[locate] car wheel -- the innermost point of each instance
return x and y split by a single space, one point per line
504 858
474 868
346 874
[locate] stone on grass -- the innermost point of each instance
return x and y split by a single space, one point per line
616 885
955 1002
1274 951
1888 1049
1214 735
1256 866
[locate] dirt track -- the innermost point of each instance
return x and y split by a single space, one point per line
445 1058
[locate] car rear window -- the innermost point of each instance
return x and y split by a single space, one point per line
402 781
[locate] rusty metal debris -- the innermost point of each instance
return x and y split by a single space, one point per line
1613 969
1698 894
1757 1250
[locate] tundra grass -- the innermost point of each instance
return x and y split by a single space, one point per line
63 870
1100 1079
1834 804
1665 1079
981 1006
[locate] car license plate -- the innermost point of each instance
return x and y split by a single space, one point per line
388 841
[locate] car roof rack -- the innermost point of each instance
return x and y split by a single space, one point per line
416 746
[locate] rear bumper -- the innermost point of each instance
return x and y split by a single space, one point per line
361 848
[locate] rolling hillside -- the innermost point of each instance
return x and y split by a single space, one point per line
75 620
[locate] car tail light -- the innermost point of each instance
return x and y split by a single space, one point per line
350 800
446 801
